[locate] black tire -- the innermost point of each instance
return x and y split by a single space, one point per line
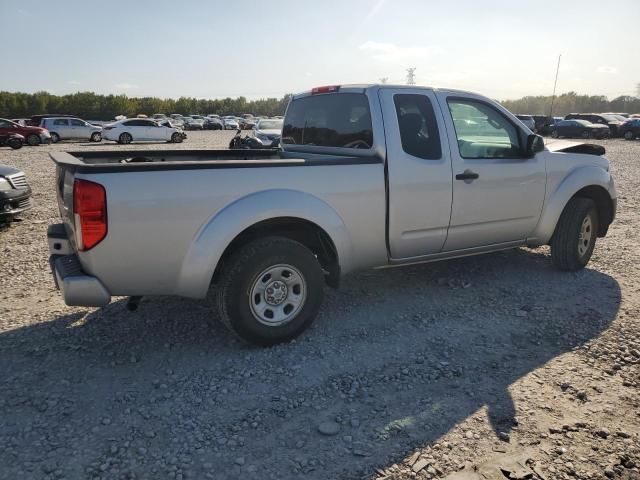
96 137
33 140
585 135
15 143
628 135
554 134
565 251
125 138
55 138
176 138
240 273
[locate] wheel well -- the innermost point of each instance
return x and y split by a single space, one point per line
604 204
307 233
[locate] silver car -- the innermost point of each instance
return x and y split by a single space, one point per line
68 128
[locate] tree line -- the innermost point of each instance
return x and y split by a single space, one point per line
571 102
91 106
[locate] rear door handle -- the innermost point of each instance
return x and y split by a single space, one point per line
468 176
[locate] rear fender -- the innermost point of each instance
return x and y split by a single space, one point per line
219 231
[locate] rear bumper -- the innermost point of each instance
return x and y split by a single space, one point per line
77 287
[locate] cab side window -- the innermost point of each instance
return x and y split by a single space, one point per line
76 123
60 121
482 131
418 126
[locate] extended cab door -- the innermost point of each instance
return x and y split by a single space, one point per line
497 191
419 172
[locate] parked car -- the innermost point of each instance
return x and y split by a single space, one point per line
191 123
71 128
158 116
20 121
528 121
264 230
247 123
142 129
630 129
230 123
543 124
268 131
598 119
33 135
36 120
580 129
212 123
12 140
15 193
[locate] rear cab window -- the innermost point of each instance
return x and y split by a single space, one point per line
341 120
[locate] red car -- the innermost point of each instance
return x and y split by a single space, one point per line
33 135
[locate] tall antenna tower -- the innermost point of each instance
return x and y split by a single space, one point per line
411 76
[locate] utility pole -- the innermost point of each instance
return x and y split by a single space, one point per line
638 90
411 76
553 97
383 80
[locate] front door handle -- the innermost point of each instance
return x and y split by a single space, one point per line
468 176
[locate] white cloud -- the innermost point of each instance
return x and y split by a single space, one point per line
607 69
126 86
74 82
391 53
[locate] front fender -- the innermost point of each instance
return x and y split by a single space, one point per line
577 179
220 230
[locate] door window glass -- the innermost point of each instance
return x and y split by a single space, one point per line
482 131
418 126
76 123
60 121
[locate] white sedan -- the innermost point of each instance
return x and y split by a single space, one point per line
142 129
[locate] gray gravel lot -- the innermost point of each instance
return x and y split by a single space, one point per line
419 372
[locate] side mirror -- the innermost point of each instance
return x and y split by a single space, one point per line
535 144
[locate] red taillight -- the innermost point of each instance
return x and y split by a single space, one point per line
326 89
89 213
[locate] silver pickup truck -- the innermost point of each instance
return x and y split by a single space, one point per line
367 176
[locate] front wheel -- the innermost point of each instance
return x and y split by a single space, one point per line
96 137
628 135
554 134
125 138
270 290
575 236
55 138
33 140
176 138
586 135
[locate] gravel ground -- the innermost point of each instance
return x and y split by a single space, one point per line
496 364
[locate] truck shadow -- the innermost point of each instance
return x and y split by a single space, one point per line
397 358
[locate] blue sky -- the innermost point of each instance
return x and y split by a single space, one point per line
504 49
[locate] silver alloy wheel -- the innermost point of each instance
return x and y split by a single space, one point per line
55 138
585 236
96 137
277 295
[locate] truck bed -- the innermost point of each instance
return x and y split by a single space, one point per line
111 161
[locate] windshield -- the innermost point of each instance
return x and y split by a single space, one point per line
609 118
270 125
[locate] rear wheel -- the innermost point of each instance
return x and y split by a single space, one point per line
554 134
15 143
96 137
575 236
33 140
125 138
585 135
270 290
176 138
628 135
55 138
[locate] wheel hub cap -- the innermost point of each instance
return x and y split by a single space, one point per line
585 236
277 295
